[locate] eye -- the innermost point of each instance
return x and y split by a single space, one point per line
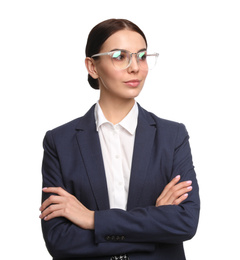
119 55
142 55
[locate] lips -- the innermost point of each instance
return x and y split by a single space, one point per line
133 82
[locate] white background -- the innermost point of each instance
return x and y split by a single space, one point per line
44 84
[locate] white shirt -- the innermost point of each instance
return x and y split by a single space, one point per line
117 142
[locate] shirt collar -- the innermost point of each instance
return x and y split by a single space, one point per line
129 122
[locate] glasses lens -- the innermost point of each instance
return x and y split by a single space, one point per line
120 59
147 61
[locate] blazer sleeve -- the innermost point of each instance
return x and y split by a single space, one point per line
64 239
163 224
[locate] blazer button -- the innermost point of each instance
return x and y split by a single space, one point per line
122 238
108 238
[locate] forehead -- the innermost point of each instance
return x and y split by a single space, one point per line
124 39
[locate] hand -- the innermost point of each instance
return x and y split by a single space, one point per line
63 204
173 193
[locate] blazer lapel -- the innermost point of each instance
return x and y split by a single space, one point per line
144 139
90 149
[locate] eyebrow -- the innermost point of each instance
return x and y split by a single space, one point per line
144 49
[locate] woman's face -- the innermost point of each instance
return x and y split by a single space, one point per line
127 83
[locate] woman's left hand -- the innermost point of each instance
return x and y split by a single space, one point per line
64 204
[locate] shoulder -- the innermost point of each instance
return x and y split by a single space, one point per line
168 131
66 127
70 128
161 123
169 125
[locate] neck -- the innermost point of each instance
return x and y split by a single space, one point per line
116 110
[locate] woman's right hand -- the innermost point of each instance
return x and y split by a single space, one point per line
174 193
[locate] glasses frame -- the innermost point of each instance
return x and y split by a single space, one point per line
110 53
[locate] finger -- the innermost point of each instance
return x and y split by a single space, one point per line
50 210
178 187
54 214
174 193
177 194
183 184
53 199
57 190
171 184
174 181
174 190
180 199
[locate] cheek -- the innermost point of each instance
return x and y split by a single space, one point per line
109 73
114 76
144 74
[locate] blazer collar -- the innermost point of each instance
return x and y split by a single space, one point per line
144 140
90 148
88 120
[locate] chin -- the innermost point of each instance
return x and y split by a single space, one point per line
135 91
132 95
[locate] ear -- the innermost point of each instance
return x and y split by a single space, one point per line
91 67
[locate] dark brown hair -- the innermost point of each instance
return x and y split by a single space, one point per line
100 33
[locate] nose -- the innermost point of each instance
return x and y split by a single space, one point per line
134 66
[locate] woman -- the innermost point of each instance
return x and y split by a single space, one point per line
119 182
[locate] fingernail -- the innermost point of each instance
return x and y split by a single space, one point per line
189 188
177 177
44 188
189 182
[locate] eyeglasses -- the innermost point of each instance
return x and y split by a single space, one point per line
122 59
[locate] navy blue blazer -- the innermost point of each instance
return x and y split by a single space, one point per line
73 160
